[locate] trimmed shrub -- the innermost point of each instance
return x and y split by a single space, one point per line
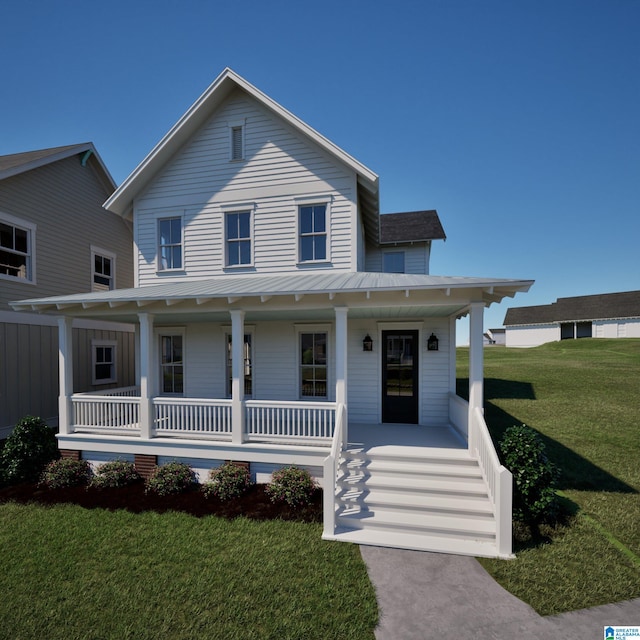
534 476
60 474
28 450
227 481
292 485
116 473
171 478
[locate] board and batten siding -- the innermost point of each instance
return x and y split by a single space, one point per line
623 328
64 200
279 166
416 258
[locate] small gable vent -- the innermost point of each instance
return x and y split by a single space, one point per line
237 143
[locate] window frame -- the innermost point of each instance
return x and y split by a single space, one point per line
313 201
172 269
171 332
97 344
228 241
313 329
30 229
102 253
394 253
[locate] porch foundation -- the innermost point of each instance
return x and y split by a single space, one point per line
145 464
70 454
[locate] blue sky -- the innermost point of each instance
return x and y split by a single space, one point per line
518 121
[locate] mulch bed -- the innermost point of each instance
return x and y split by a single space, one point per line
255 504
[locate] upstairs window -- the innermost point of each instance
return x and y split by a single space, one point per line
170 243
313 232
16 249
237 142
393 262
103 270
104 362
238 229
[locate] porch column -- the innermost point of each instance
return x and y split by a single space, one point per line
476 358
147 375
237 376
452 355
341 360
65 364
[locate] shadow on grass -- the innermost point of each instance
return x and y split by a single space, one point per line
576 472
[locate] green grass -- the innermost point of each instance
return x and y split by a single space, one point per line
72 573
583 397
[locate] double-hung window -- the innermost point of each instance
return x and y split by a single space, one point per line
312 224
104 361
393 262
170 244
17 239
313 364
103 265
238 230
172 363
246 363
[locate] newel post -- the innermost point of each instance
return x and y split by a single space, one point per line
237 376
65 363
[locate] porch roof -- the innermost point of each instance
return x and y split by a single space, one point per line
328 289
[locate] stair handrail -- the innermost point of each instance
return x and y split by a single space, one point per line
498 478
330 473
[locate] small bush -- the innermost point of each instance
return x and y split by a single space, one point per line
60 474
227 481
292 485
171 478
116 473
534 476
28 450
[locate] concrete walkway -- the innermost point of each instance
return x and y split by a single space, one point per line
430 595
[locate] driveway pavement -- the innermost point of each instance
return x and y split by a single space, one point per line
425 595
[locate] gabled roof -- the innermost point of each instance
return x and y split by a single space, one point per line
410 226
17 163
121 201
605 306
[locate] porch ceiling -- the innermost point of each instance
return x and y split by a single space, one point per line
310 296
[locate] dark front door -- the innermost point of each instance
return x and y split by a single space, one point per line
400 376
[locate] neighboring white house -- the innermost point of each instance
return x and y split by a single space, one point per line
493 337
607 315
56 238
282 320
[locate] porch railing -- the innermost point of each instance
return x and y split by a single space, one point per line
497 477
331 465
274 420
102 412
193 416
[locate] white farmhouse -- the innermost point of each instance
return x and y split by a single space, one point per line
607 315
282 320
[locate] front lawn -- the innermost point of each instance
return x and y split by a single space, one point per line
73 573
583 397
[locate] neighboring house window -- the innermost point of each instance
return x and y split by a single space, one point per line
104 362
170 243
313 365
17 239
171 364
103 270
238 228
313 232
393 262
248 373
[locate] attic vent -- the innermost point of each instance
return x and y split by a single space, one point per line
237 143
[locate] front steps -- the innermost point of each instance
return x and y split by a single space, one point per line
429 499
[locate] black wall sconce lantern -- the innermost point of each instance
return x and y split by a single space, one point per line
367 343
432 343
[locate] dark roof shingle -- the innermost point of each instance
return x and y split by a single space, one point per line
410 226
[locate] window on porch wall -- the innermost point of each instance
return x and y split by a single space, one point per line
248 376
172 365
313 365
